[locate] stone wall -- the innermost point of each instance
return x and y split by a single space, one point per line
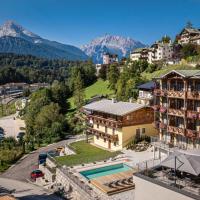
62 178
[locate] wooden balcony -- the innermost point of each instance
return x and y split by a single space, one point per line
156 107
176 94
192 114
101 134
176 112
176 130
191 133
163 125
157 92
106 121
160 92
193 95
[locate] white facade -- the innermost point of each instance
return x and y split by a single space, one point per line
135 56
160 51
109 58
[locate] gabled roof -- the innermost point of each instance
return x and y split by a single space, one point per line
147 86
184 73
191 30
116 108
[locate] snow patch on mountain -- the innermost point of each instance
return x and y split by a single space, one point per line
110 44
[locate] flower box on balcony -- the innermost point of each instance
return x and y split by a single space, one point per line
163 126
190 133
163 110
156 107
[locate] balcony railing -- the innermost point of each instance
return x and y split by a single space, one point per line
176 112
192 114
176 94
176 130
191 133
106 121
193 95
101 134
157 92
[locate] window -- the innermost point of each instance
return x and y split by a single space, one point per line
143 131
113 130
115 144
97 125
97 137
137 133
104 139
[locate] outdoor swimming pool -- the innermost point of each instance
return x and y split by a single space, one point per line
103 171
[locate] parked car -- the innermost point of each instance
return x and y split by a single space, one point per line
60 149
36 174
42 158
1 137
53 153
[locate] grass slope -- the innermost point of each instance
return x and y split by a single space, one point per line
149 76
85 153
100 87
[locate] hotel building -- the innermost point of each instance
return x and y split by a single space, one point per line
114 124
177 108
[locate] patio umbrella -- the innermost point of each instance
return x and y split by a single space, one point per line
183 161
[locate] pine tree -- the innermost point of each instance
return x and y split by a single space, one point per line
78 91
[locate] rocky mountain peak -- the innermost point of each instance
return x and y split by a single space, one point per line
110 44
12 29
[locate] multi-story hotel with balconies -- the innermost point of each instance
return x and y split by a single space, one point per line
114 124
177 108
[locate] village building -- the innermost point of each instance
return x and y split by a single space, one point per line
114 124
159 51
177 108
145 96
139 54
109 58
188 35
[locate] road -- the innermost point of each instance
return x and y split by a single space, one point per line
25 191
22 169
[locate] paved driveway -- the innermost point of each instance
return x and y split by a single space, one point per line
22 169
25 191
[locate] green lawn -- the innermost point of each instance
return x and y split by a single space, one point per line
149 76
100 87
85 153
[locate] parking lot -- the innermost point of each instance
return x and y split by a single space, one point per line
11 125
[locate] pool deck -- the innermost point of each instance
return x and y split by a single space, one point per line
99 164
101 182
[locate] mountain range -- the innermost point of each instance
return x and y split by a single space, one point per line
113 44
16 39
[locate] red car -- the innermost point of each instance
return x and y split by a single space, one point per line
36 174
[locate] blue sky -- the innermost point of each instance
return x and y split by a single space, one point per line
78 21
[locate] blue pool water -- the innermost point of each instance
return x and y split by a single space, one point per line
103 171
